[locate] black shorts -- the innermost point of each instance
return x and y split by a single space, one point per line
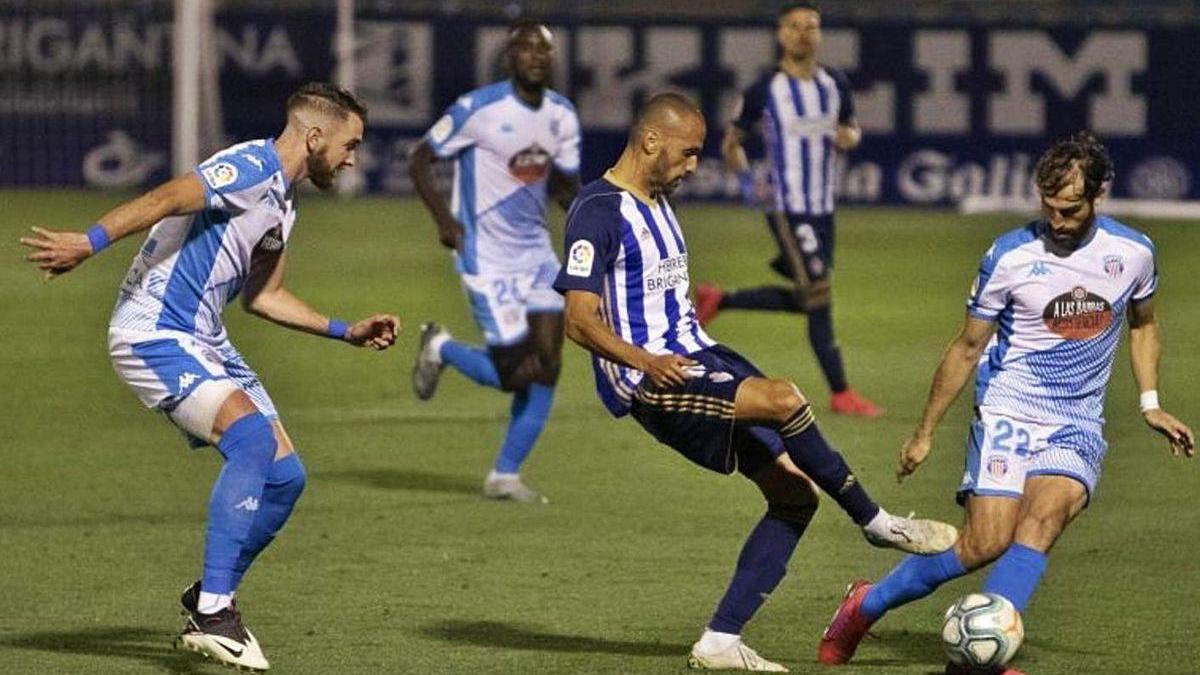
696 418
807 240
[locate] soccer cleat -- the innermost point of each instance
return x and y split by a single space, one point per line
510 488
222 637
708 303
955 669
914 535
847 628
850 402
737 657
428 366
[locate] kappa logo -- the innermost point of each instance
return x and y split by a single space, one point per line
506 128
1038 269
272 240
258 163
247 504
720 377
186 380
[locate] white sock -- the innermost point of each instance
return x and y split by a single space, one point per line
211 603
435 345
712 642
495 475
880 524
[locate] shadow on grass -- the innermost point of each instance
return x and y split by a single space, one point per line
515 636
115 642
396 479
904 648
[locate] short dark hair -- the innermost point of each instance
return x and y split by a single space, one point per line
789 7
1081 148
326 98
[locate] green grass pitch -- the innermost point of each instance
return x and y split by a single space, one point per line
392 563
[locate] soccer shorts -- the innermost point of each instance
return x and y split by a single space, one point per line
696 418
163 367
502 301
1002 452
803 240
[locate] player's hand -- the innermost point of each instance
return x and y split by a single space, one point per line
57 252
450 233
847 137
912 454
1183 442
377 332
669 370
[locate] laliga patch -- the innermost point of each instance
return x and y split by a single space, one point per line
441 130
579 260
221 174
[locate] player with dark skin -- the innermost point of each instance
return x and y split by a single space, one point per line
537 359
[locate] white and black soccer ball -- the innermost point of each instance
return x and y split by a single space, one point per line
982 630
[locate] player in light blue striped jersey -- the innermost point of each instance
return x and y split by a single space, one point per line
217 233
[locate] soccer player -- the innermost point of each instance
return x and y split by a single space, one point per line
514 143
805 112
626 287
218 232
1043 323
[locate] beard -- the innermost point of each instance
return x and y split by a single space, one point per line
320 172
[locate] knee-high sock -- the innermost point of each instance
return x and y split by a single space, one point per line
761 565
530 408
820 336
249 449
1017 575
915 577
768 298
473 362
826 466
285 482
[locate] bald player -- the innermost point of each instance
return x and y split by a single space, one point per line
626 288
514 145
218 232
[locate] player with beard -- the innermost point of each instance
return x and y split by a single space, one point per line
804 111
626 287
515 144
217 232
1043 325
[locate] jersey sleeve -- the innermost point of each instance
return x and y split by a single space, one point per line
452 133
989 295
1146 282
235 181
748 109
845 95
591 245
566 157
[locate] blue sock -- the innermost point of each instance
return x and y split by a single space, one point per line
1017 575
820 336
248 446
760 567
530 408
285 482
826 466
473 362
915 577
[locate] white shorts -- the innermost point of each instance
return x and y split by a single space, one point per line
1002 452
164 367
502 301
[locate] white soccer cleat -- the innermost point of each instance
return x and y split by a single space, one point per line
222 638
737 657
914 535
510 488
427 369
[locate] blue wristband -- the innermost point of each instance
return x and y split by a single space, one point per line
337 329
98 236
747 187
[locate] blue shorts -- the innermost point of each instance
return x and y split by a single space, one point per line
696 418
806 238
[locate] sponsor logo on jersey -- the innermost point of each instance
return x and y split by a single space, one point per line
669 273
579 259
220 174
1078 315
530 165
1114 265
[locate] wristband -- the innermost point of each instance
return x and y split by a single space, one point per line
98 237
337 329
1148 400
746 186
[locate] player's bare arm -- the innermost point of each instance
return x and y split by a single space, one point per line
420 169
585 327
563 187
265 296
732 150
953 372
59 251
1144 351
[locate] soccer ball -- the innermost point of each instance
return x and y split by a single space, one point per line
982 630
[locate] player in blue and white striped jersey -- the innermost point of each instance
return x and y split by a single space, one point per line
1043 322
804 111
626 287
218 232
515 145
